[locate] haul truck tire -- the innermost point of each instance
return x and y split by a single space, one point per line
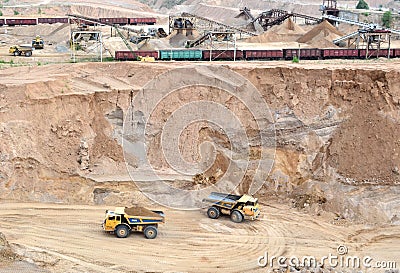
16 53
213 213
150 232
28 54
236 216
122 231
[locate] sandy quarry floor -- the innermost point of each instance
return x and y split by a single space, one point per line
69 239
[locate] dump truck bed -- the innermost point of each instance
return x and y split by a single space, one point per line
142 212
22 47
223 200
215 197
139 215
228 200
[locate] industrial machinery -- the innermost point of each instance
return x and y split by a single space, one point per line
38 42
274 17
239 207
20 50
122 221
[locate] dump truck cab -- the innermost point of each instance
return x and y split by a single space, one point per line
238 207
111 220
122 221
250 206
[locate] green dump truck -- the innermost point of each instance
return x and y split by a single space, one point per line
238 207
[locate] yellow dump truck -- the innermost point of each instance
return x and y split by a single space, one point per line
122 221
21 50
238 207
38 42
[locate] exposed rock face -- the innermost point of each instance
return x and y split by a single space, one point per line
336 128
83 155
6 254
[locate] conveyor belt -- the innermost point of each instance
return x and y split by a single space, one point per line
361 24
236 29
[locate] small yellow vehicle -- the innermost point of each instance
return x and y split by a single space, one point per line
122 221
238 207
146 59
20 50
38 42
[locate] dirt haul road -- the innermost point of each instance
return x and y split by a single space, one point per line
69 238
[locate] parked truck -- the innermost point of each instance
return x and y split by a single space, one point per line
238 207
21 50
122 221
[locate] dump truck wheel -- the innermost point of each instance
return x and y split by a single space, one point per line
122 231
28 54
16 53
236 216
150 232
213 213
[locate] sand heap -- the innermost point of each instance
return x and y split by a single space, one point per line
321 36
145 45
51 33
154 44
178 39
347 28
288 31
112 44
226 15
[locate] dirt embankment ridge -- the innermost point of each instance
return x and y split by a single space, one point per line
336 128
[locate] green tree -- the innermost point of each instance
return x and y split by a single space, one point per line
387 19
362 5
39 10
16 12
1 13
